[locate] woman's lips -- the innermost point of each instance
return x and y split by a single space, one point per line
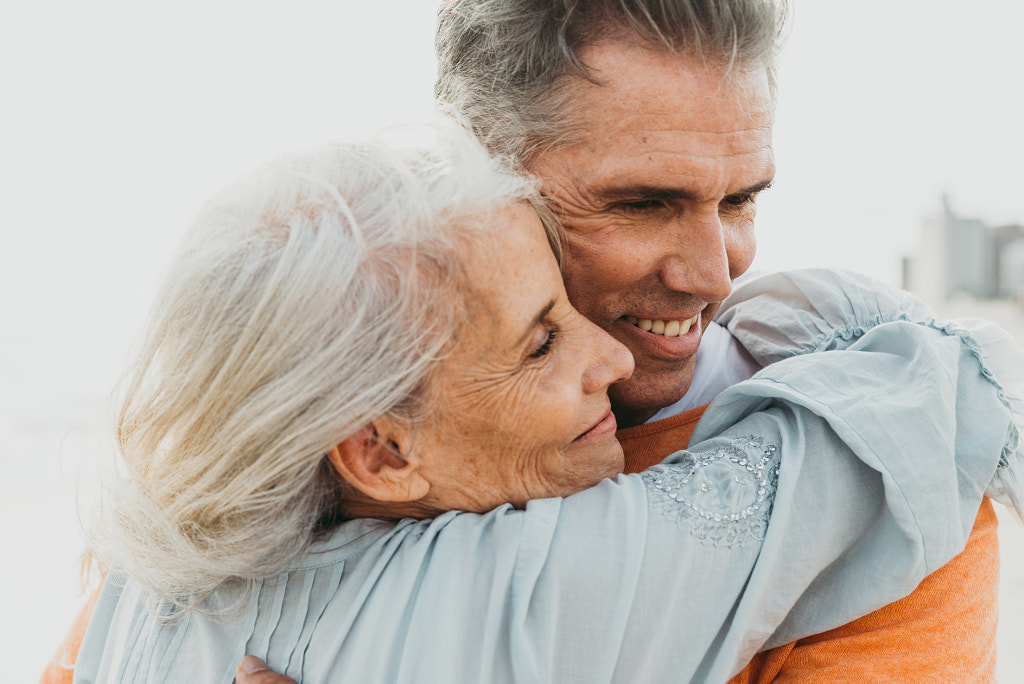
605 426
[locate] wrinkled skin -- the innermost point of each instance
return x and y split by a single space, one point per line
526 410
657 193
658 198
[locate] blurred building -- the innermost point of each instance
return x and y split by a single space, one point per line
963 257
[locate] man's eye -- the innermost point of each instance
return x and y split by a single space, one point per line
740 200
546 346
643 205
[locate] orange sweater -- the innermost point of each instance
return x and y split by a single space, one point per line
944 632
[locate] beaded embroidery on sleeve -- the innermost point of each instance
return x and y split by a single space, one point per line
724 495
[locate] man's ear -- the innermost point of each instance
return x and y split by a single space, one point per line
376 460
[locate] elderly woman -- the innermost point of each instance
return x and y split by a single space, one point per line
368 439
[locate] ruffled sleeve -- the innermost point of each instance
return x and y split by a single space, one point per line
777 316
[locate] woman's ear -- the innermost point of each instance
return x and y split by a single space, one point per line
376 460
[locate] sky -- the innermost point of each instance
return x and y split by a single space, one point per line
121 118
118 119
884 107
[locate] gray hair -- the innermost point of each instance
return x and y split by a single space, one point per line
500 62
308 299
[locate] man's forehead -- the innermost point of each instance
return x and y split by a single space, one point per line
660 125
637 166
642 83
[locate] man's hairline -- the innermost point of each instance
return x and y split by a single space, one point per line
563 85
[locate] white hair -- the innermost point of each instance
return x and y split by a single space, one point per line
308 299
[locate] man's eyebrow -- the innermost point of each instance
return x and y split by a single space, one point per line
646 192
537 320
754 189
658 192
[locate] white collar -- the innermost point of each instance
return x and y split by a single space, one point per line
721 362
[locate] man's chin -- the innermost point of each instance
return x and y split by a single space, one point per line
634 401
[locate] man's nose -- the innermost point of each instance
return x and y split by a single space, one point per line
697 259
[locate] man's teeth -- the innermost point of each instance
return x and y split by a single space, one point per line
666 328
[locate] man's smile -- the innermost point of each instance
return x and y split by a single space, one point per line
668 328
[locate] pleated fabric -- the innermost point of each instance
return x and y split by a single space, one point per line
827 486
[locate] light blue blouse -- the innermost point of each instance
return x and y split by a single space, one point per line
825 487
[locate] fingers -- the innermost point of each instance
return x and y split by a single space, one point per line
252 670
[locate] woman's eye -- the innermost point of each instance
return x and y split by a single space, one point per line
545 347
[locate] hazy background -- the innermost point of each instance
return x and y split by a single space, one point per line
118 119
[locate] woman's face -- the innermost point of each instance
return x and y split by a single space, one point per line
526 411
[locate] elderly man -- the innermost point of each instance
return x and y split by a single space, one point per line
648 123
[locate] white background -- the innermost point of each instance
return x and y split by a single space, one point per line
118 119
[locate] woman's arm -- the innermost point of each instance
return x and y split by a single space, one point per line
805 501
929 416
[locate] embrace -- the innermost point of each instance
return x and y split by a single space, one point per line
371 435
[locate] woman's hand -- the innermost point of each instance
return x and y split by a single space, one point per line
252 670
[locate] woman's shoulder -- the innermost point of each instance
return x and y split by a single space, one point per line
346 541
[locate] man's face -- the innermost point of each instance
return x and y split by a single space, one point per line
658 202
